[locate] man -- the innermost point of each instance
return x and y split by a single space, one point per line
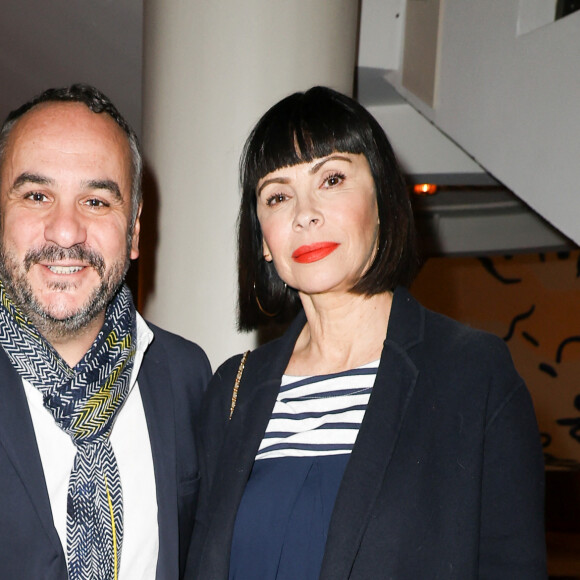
98 471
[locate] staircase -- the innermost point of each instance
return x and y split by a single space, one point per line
481 92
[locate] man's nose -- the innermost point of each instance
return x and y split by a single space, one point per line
65 226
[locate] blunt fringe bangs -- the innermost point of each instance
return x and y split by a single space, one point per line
299 129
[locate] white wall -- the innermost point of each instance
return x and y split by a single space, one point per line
56 43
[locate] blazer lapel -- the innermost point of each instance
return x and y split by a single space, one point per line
158 406
18 439
257 394
261 381
237 455
376 440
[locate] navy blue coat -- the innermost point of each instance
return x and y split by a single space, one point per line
446 478
172 379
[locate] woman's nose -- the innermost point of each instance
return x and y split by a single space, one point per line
307 214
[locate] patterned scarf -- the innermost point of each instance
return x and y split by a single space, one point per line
84 402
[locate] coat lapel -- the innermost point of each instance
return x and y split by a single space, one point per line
18 439
376 441
256 398
158 406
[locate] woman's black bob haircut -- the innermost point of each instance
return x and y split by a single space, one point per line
298 129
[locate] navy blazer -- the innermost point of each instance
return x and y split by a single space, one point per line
445 480
171 380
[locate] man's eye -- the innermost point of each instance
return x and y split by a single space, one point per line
96 203
36 196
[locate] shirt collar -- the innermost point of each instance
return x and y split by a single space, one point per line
144 338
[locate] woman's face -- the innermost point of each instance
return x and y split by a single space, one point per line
320 222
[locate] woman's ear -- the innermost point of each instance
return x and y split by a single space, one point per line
266 251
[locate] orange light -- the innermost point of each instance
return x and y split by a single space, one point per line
425 189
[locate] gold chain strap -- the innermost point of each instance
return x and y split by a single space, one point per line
237 382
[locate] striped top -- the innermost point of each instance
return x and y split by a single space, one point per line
318 415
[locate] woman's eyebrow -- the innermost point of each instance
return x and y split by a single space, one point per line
316 167
282 180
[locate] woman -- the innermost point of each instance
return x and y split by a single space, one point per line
334 452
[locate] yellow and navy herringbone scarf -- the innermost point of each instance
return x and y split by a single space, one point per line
84 402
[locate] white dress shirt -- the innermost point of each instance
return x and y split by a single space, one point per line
130 442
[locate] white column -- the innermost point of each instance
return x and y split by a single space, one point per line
211 69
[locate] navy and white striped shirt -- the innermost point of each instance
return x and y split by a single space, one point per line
318 415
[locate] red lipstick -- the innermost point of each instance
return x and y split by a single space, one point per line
313 252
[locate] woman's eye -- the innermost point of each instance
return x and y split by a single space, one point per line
275 199
334 179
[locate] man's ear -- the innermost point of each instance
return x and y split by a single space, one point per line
136 232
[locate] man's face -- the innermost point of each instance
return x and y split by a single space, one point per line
65 212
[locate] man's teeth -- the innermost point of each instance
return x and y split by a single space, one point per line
65 269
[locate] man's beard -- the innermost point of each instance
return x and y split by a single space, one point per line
67 324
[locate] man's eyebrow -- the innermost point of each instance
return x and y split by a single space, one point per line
107 184
31 178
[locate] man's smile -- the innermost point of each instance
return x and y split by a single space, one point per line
65 269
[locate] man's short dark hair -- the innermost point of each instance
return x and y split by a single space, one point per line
97 102
298 129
